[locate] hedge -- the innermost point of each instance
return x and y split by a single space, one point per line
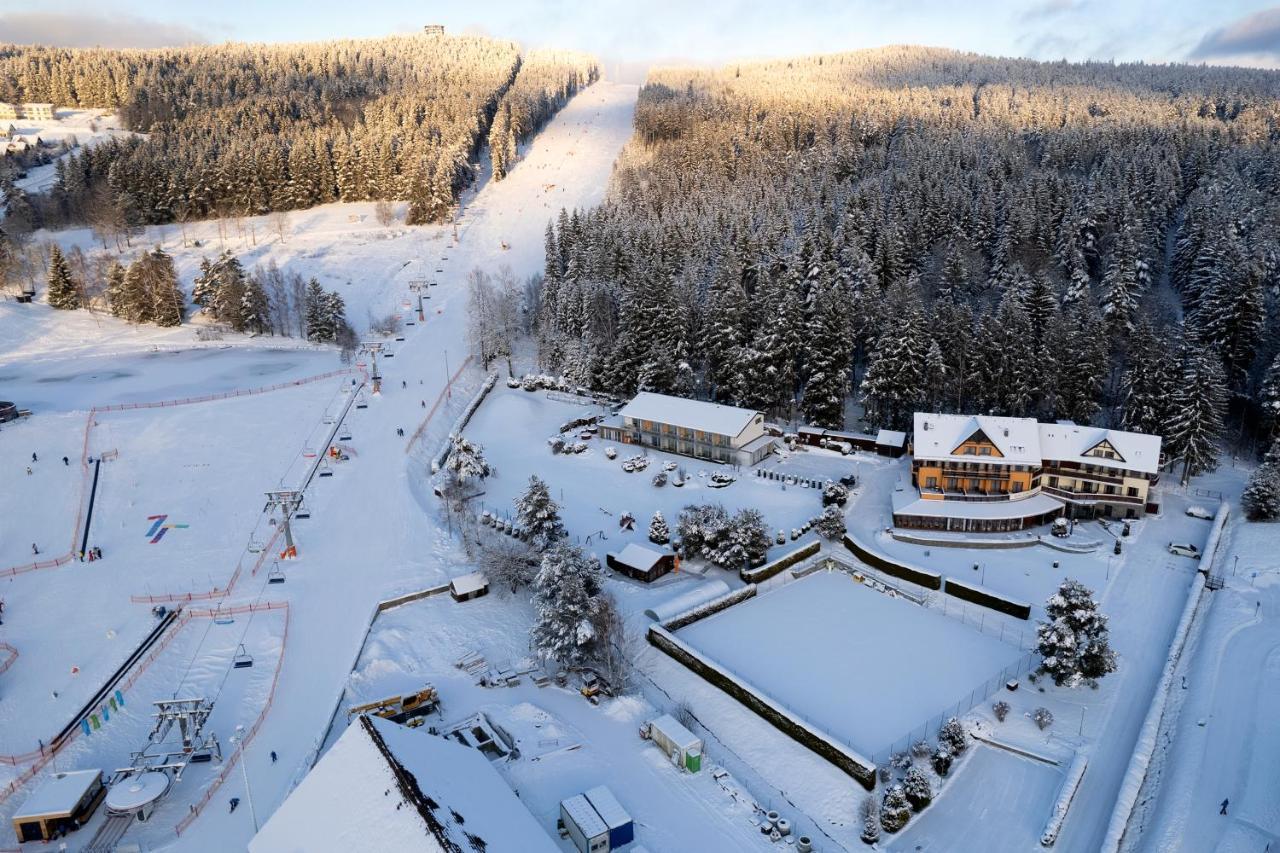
921 577
860 768
986 598
768 570
712 607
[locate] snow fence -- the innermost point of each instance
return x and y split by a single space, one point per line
1145 747
820 742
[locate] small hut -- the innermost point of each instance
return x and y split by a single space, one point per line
641 563
469 586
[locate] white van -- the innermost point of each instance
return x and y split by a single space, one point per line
1184 550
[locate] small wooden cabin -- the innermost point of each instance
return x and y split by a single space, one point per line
641 563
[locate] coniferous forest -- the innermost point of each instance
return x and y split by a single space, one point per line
918 228
243 129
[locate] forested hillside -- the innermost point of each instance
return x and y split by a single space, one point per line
242 129
927 229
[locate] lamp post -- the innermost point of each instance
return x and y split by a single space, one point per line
238 737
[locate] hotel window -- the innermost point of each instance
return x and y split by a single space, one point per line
968 451
984 451
931 483
1133 491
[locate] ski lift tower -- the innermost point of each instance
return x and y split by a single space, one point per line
419 286
288 501
372 348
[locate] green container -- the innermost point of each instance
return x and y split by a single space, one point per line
693 761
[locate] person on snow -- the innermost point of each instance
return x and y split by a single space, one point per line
1223 810
34 549
34 458
404 384
28 470
273 756
424 404
66 461
235 801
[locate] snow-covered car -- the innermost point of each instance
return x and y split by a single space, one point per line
586 435
1184 550
611 452
1199 512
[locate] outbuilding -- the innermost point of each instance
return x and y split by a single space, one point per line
622 829
681 745
62 803
469 586
641 563
8 411
588 831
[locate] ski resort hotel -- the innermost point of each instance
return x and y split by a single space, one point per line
974 473
691 428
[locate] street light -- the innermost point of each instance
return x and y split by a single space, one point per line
238 737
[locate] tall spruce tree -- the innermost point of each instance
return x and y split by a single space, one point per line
1195 426
64 292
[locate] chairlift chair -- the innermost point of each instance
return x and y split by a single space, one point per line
325 470
255 546
242 659
276 575
345 435
309 452
219 619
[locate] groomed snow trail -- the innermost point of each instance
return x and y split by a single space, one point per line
367 538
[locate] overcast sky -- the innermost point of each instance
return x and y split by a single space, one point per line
644 31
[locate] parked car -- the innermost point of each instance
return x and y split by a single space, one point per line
1184 550
1199 512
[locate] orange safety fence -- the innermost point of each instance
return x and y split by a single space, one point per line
229 764
72 553
444 392
11 655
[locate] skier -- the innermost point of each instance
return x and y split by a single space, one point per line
404 384
34 549
34 458
235 801
28 470
99 550
273 756
1223 810
424 404
66 461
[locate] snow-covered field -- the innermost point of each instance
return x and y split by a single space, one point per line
863 666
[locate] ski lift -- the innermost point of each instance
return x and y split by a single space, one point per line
276 575
388 354
242 659
325 470
330 419
407 323
309 452
400 338
362 403
255 545
222 620
302 513
344 435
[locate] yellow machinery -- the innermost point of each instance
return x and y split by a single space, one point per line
400 709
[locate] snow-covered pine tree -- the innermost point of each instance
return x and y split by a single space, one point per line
1269 398
700 528
894 381
830 524
895 810
1195 425
1081 375
917 789
658 531
255 309
466 459
1074 644
1261 497
137 303
1148 385
1121 286
316 310
538 515
63 292
564 601
167 301
744 542
116 299
205 285
952 735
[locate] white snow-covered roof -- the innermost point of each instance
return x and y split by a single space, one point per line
586 817
383 786
59 793
608 807
468 583
687 598
692 414
1068 442
1037 504
676 732
938 436
891 438
638 557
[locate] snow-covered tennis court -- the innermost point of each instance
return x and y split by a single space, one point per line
858 664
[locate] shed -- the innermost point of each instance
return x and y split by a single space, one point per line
588 830
891 442
63 802
641 563
469 586
622 829
681 745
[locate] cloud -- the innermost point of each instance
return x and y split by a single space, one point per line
1256 35
1050 8
88 30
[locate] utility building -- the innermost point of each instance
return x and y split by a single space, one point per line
691 428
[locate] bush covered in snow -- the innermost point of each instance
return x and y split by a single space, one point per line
830 524
835 494
1074 644
709 532
895 810
900 760
869 812
953 736
1043 717
917 788
466 459
941 761
660 479
1001 710
921 749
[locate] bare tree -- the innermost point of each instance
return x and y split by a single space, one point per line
385 212
280 222
506 561
613 648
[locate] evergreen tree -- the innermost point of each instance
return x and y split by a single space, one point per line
895 380
1195 425
255 310
1149 386
565 598
116 291
466 459
319 319
917 789
658 531
1074 644
895 810
1269 397
166 297
538 515
1121 286
64 292
1261 497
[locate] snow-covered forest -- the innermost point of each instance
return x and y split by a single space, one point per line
931 229
242 129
